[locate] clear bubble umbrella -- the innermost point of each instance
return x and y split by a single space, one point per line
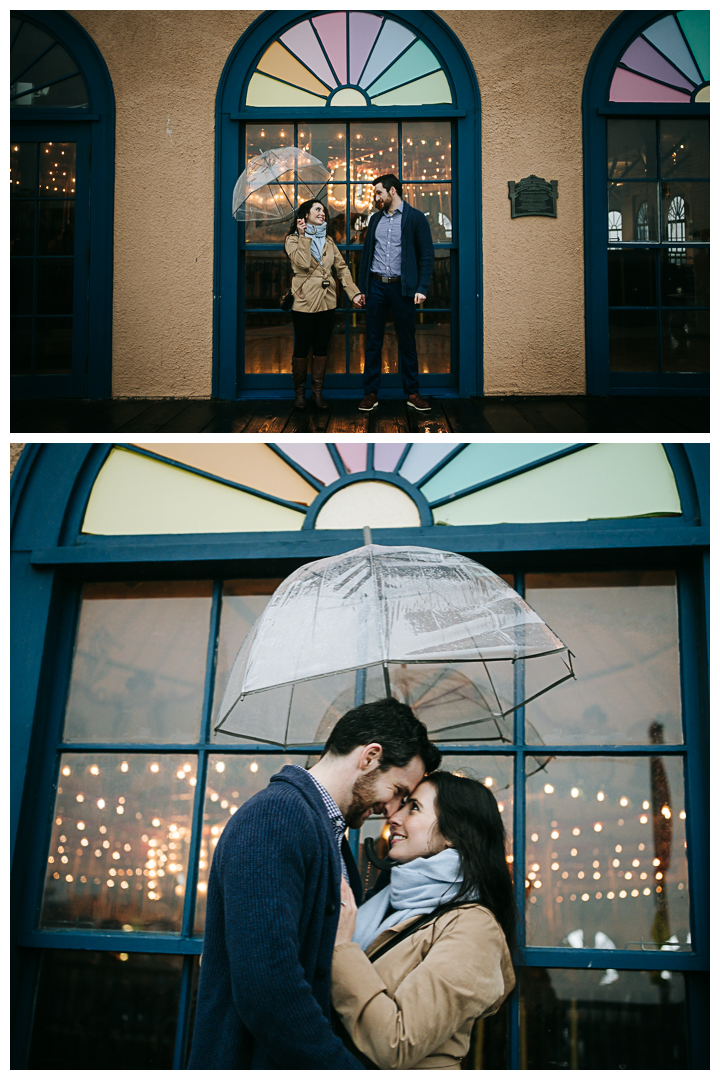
276 182
355 624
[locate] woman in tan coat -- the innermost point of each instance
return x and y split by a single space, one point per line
313 255
427 956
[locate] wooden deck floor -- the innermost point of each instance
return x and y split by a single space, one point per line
663 415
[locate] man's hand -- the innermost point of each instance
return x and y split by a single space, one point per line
302 226
348 915
359 301
419 298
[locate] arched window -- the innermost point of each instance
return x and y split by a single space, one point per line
61 159
367 93
647 163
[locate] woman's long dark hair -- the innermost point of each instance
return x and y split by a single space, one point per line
469 818
302 212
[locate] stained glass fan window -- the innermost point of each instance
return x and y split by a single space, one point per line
348 59
669 61
42 73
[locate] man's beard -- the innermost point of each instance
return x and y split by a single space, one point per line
363 799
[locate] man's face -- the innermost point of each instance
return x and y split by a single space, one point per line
382 792
383 198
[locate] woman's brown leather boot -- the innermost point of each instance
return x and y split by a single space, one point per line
316 382
299 374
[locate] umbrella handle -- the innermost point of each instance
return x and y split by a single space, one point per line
372 857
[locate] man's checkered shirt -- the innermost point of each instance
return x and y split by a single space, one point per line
336 819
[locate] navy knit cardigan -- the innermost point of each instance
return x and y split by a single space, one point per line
272 914
416 253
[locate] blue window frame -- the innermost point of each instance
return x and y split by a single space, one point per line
61 104
52 561
457 302
647 305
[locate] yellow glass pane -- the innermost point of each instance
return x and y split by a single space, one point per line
268 93
281 63
369 502
252 464
610 480
134 494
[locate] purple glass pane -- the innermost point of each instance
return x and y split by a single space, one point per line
387 455
665 35
393 39
422 458
302 41
364 28
331 29
629 87
314 458
646 60
354 456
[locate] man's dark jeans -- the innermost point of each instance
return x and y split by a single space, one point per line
384 300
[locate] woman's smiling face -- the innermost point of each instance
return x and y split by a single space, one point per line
316 215
413 828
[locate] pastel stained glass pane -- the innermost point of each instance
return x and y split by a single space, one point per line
422 459
369 502
304 43
264 92
332 31
417 61
387 455
134 494
393 40
610 480
282 64
364 28
696 27
242 603
252 464
646 60
479 462
314 458
627 86
665 35
354 456
431 90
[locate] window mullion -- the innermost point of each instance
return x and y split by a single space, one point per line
182 1029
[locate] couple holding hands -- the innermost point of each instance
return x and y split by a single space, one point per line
395 270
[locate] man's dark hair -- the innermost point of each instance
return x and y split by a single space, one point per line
390 723
389 181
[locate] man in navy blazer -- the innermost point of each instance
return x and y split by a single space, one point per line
395 270
273 898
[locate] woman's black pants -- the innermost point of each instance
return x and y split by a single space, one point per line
312 329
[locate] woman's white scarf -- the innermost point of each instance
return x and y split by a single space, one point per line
416 888
317 239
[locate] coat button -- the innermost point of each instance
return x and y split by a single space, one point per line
331 908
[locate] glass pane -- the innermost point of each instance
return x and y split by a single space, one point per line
55 286
23 168
326 142
22 227
361 210
686 340
373 150
631 149
139 666
69 94
686 211
440 294
268 344
433 338
427 150
685 277
57 169
55 64
261 137
685 148
606 854
124 1004
631 278
53 346
30 42
357 346
632 212
21 286
634 342
20 346
623 631
490 1041
242 603
336 362
232 780
267 275
120 840
56 234
433 200
575 1019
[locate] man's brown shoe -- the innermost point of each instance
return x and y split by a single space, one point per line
368 403
419 403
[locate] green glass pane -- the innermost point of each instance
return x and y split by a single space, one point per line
696 27
430 90
483 461
417 61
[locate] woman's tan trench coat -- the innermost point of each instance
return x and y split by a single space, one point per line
308 277
415 1008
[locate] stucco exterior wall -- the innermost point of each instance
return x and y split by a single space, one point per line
165 67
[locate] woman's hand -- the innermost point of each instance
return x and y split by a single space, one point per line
302 226
348 915
358 301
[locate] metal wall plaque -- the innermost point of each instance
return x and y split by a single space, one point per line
533 197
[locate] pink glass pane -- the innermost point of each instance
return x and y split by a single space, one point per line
364 28
629 87
331 29
393 39
641 57
354 456
387 455
314 458
302 41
